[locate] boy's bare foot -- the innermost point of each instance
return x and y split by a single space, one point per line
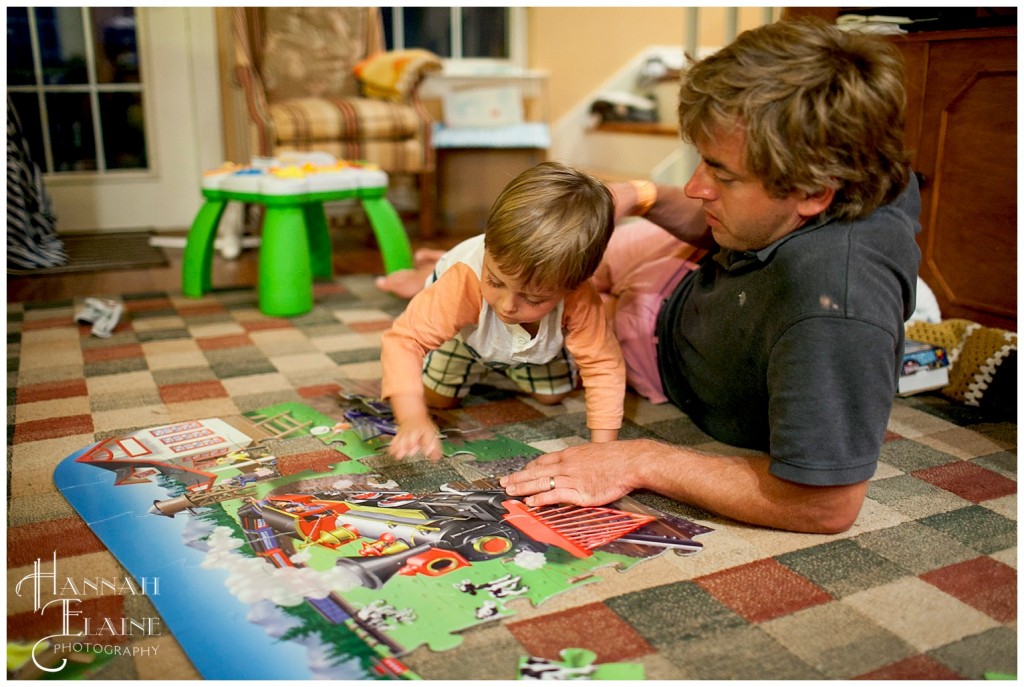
408 283
424 257
403 283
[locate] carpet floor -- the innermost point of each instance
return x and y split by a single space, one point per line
924 586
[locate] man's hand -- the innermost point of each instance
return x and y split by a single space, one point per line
623 198
586 475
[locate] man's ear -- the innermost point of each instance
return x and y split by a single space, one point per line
814 204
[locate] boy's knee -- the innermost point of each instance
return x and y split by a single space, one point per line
439 402
550 399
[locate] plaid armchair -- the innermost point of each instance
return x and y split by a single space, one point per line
318 78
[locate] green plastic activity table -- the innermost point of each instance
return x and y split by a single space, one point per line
296 244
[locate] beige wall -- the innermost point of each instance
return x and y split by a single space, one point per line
582 47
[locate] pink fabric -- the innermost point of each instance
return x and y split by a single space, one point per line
641 266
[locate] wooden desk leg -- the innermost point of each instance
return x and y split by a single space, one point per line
391 237
319 241
197 260
285 278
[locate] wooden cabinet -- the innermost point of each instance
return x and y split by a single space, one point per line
962 134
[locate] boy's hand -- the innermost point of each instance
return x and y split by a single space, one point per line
416 436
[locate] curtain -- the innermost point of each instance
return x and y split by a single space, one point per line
32 240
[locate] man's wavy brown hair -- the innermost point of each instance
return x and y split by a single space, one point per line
820 107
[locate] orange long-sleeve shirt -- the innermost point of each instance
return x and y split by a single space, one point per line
453 306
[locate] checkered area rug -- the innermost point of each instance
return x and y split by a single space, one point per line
924 586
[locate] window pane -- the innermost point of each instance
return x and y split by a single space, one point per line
62 45
74 149
428 27
19 48
124 140
26 105
117 54
389 27
90 50
484 32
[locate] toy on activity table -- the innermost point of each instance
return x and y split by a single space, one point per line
295 176
296 246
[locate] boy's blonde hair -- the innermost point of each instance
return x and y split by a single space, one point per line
821 108
550 226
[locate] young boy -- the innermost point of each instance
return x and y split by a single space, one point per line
517 300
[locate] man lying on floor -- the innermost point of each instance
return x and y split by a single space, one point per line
788 339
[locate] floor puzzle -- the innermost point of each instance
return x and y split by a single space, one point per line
288 541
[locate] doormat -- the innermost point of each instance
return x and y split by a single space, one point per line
107 251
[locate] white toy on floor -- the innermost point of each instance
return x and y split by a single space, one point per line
102 313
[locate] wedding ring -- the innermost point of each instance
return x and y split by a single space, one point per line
551 482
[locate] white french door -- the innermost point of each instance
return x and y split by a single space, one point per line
177 52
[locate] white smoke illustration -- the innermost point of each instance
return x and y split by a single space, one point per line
256 579
530 560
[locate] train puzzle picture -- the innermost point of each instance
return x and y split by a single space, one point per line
288 529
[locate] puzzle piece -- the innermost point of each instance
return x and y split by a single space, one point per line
577 664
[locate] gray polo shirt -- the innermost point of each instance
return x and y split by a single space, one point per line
795 349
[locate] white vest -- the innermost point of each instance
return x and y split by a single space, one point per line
493 340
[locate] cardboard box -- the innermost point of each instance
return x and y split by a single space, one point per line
475 107
471 179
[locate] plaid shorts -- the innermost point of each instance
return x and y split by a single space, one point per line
454 367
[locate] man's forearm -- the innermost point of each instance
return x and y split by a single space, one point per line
742 488
672 210
680 216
